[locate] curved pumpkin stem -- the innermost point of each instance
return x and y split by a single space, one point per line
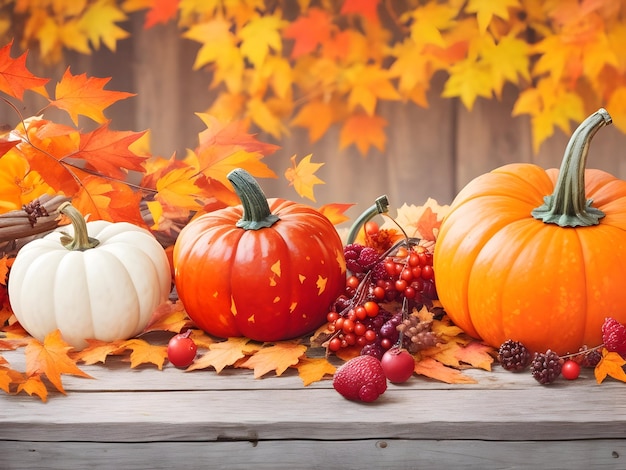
567 206
380 206
256 210
81 240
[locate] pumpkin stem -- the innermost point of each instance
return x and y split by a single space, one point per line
380 206
81 240
256 210
567 206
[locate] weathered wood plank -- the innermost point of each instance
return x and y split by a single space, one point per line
309 454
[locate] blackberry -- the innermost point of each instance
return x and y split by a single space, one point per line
546 367
514 356
591 358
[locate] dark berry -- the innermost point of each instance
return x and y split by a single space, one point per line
514 356
546 367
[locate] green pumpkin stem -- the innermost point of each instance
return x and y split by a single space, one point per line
256 210
568 206
81 240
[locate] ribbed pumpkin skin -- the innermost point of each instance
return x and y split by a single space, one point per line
501 274
269 284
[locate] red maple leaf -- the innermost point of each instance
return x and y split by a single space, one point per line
366 8
15 78
162 11
309 31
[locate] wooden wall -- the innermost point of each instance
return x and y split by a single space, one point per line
430 152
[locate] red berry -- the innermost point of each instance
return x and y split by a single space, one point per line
614 336
570 369
181 349
398 365
361 378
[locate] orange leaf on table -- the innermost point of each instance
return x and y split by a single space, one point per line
86 96
335 212
224 353
278 357
8 376
302 176
33 385
433 369
15 78
314 369
145 353
51 359
476 354
611 365
98 351
169 316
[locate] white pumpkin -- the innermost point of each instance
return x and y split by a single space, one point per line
98 280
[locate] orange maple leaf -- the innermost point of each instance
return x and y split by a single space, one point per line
8 376
169 316
612 365
309 31
51 359
86 96
278 357
224 354
106 151
161 12
33 385
15 78
145 353
366 8
363 131
335 212
314 369
113 201
98 351
433 369
476 354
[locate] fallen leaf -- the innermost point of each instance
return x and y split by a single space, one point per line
145 353
278 357
476 354
169 316
33 385
223 354
611 365
433 369
51 359
314 369
98 351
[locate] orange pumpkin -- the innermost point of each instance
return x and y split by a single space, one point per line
267 269
534 255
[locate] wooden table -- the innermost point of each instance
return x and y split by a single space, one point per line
148 419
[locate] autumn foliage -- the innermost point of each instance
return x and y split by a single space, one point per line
318 64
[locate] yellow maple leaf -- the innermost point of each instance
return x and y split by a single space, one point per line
369 84
431 19
508 60
616 106
314 369
98 21
302 176
413 69
468 80
176 188
485 10
611 365
218 41
363 131
145 353
262 114
278 357
19 185
259 36
71 34
98 351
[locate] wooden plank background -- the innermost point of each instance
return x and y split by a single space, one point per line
430 152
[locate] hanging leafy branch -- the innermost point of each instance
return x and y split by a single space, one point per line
317 64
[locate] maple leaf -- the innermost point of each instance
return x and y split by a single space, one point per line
469 79
302 176
611 365
224 354
33 385
98 21
369 84
507 60
316 116
218 42
486 9
98 351
161 12
335 212
309 31
259 36
86 96
15 78
169 316
19 185
433 369
51 359
108 200
476 354
366 8
278 357
420 221
145 353
363 131
429 20
7 377
314 369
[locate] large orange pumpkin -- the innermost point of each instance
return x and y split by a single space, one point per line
267 269
535 255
